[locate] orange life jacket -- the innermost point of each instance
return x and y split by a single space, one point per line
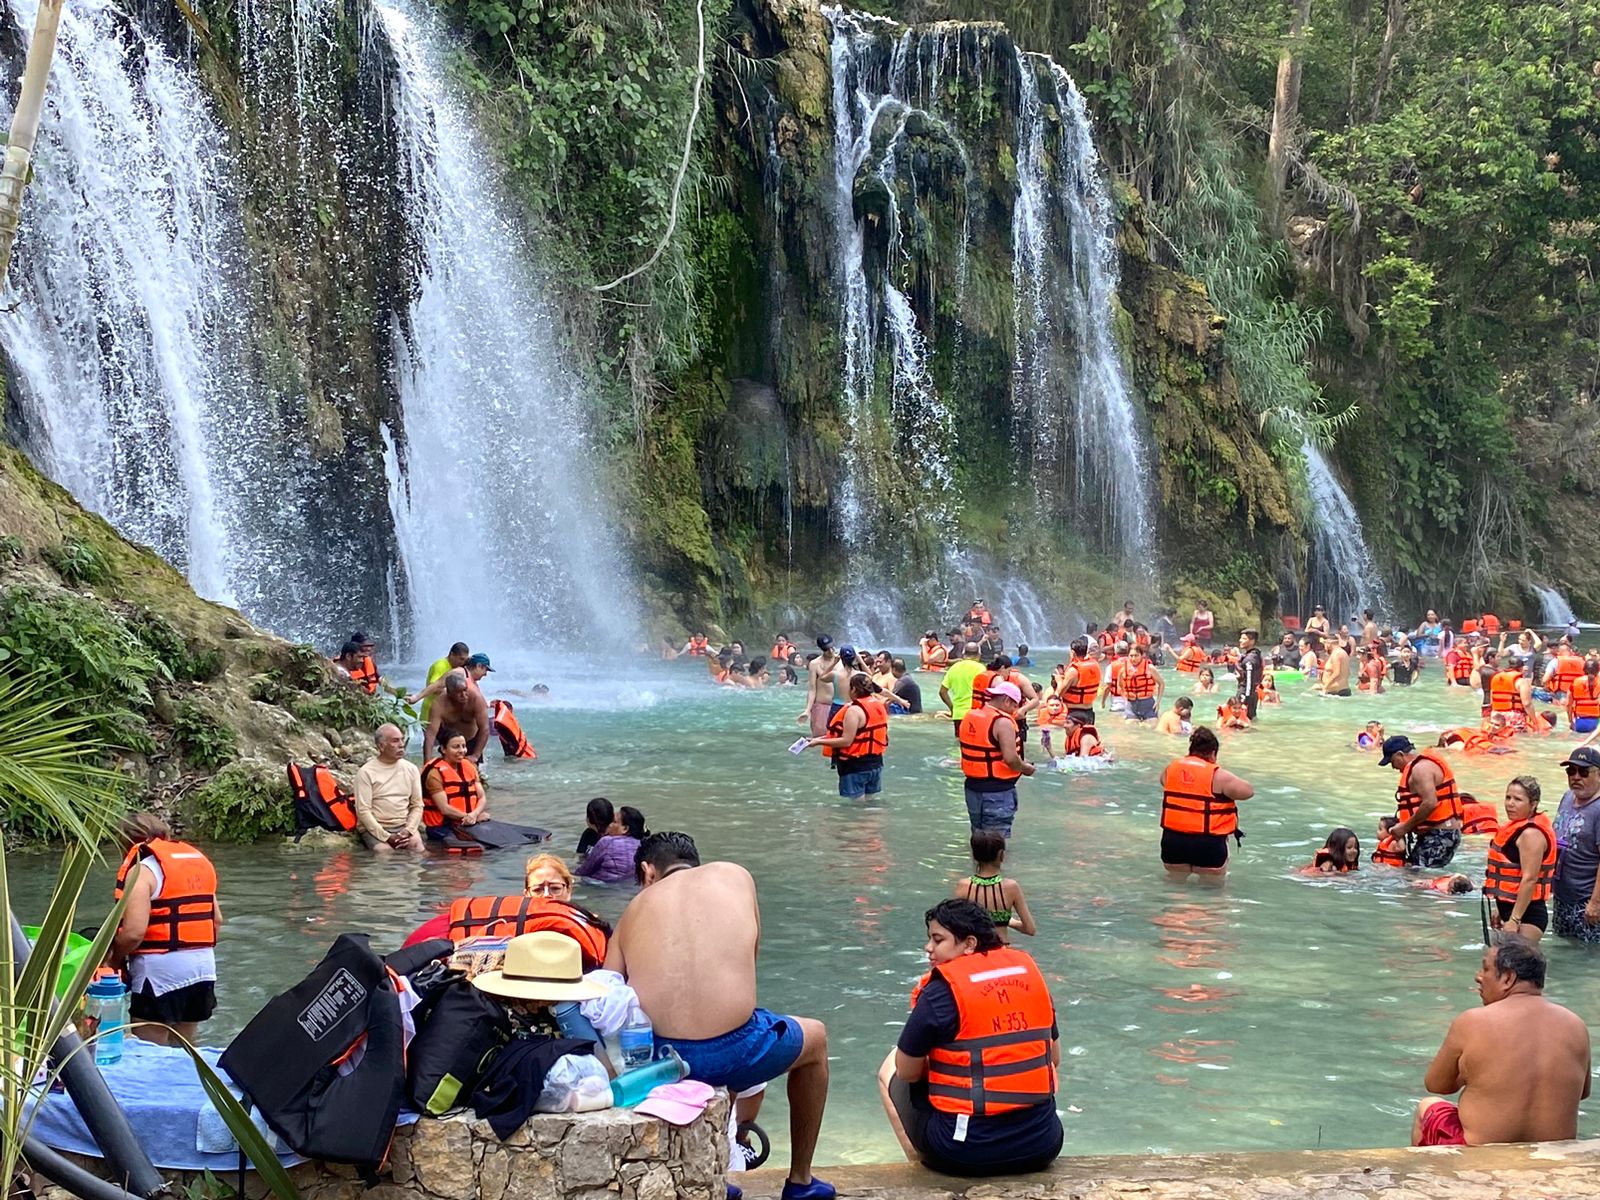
1083 692
1478 818
1407 801
1075 736
511 916
506 728
1585 694
980 686
780 652
999 1061
1471 740
1389 853
1141 637
699 645
1461 665
1504 695
1490 624
1502 878
1190 658
1108 638
184 915
1469 626
1117 676
1139 683
1233 716
1568 669
319 796
1325 856
935 655
980 757
1053 713
871 738
458 788
1188 803
366 675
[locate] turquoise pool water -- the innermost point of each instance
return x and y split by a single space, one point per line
1276 1011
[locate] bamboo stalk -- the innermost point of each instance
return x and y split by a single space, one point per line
25 126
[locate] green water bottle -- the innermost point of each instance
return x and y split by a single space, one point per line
633 1086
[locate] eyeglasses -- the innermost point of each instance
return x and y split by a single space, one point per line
548 889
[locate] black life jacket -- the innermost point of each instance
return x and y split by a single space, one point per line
459 1031
319 801
287 1059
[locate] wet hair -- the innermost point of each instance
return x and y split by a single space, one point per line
544 860
349 648
448 735
1080 646
1530 787
786 674
1183 702
142 827
1209 673
664 851
460 648
964 920
861 685
897 665
1000 662
1388 823
1203 743
1338 840
600 813
455 683
988 845
632 821
758 664
1514 954
1022 647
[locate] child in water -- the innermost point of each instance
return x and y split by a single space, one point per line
1341 853
1267 690
1389 853
1205 683
1371 736
988 888
599 816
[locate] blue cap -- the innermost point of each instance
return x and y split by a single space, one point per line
847 651
480 660
1398 744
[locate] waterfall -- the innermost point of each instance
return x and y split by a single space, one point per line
1555 610
126 345
1069 383
1341 573
502 530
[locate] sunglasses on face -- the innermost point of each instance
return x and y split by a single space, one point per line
1580 770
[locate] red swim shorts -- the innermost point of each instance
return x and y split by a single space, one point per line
1441 1126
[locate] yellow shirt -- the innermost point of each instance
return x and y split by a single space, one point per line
436 672
958 681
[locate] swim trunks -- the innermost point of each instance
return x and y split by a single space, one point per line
1142 710
1194 849
1441 1126
819 719
1585 724
181 1006
1569 922
992 810
1344 692
1435 848
861 783
1538 915
763 1048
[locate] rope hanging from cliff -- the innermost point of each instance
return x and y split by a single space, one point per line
683 166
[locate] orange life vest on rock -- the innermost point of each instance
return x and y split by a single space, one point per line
512 916
1188 803
1490 624
999 1061
319 800
1407 801
1502 878
873 736
458 789
184 915
504 721
980 757
1083 692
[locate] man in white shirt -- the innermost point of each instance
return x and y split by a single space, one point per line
389 796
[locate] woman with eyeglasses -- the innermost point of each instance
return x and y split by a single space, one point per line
1577 824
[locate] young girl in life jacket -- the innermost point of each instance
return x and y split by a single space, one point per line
1371 737
1340 854
1267 690
1234 714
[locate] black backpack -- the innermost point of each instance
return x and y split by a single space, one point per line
287 1059
459 1032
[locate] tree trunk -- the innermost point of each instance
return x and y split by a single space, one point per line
25 126
1393 26
1285 106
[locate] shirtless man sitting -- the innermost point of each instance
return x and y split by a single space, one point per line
1521 1063
687 944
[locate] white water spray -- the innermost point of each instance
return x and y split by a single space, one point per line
1341 573
1555 610
502 528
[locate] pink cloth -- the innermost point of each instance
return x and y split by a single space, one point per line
679 1103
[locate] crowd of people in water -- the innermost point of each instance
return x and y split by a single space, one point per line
970 1086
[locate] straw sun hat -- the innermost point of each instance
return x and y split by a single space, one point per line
540 966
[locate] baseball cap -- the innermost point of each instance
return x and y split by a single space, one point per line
1009 690
1583 756
1398 744
480 660
824 641
847 651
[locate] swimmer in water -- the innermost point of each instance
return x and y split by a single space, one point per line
1206 682
787 676
1371 737
1450 885
1177 721
988 888
1267 692
1391 851
1340 853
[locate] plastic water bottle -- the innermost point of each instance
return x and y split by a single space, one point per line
638 1038
106 1009
631 1087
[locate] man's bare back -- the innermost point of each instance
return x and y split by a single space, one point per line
1523 1066
688 946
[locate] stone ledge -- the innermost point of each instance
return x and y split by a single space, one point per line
1549 1171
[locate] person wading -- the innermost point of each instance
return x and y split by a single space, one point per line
1428 803
955 689
1522 864
1577 824
991 759
856 739
824 687
1520 1062
460 707
1199 810
1251 671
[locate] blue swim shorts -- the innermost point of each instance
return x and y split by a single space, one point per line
1584 725
763 1048
861 783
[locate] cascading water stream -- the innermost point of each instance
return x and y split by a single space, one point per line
1555 610
1341 573
126 345
502 529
